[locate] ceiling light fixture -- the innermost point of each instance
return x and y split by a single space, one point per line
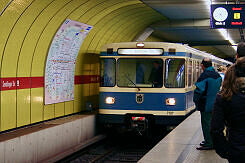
226 36
207 3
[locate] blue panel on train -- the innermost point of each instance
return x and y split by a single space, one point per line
151 101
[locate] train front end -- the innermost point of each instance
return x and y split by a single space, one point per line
140 87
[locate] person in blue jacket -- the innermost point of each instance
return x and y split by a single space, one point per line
207 86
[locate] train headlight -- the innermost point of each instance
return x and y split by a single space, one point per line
110 100
170 101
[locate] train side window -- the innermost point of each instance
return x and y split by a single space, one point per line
189 73
107 72
174 73
194 71
198 69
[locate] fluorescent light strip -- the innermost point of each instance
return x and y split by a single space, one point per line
225 35
208 3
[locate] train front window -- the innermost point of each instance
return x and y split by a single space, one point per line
107 72
175 73
145 72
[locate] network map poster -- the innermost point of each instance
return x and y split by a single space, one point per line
60 64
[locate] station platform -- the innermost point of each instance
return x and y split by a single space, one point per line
49 141
180 145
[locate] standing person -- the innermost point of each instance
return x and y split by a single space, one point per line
229 111
156 76
221 71
240 50
207 86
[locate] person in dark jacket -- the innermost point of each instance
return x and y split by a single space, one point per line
240 50
207 86
229 111
156 76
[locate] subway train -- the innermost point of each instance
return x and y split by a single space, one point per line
148 83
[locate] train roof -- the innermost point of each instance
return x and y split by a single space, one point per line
165 45
179 47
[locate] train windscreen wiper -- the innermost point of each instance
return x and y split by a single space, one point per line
126 75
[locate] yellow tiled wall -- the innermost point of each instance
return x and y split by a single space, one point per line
153 39
27 28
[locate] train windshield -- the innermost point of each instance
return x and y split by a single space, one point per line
144 72
175 73
108 72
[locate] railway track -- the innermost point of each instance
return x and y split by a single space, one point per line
117 148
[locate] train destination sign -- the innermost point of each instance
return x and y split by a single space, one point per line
140 51
227 16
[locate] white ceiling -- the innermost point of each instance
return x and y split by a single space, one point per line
188 22
180 9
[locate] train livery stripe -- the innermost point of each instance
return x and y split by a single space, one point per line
113 111
166 113
147 90
38 82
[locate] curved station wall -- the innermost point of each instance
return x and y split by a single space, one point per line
27 28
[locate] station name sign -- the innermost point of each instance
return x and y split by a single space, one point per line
227 16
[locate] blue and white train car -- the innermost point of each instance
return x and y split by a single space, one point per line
149 83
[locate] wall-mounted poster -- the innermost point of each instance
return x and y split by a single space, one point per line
60 64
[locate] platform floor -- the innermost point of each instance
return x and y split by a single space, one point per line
180 145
